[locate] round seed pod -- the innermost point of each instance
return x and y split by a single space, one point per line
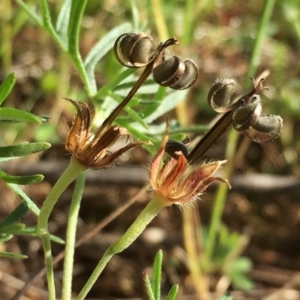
176 73
245 116
173 147
169 71
219 95
188 78
266 129
133 50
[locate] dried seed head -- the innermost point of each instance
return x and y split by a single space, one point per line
176 73
219 96
133 50
245 116
266 129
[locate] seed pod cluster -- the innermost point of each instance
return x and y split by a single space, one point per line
246 111
134 50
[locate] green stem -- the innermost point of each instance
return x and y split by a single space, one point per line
221 193
219 201
62 183
71 237
137 227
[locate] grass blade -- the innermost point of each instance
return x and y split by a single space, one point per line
15 215
12 115
6 86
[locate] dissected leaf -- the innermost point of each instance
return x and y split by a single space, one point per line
23 180
13 115
105 44
168 103
106 89
156 274
22 149
173 292
5 238
24 198
12 255
15 215
149 288
62 22
12 228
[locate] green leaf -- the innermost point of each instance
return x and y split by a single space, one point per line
106 89
24 198
148 88
12 255
105 44
12 115
241 265
5 238
62 22
31 12
236 271
149 288
168 103
157 99
15 215
136 117
225 297
23 180
6 86
173 292
22 149
12 228
156 274
56 239
32 231
242 282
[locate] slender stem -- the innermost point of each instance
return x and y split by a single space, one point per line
220 199
210 137
137 227
221 194
71 237
62 183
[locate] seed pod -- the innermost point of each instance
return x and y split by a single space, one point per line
220 94
174 146
189 76
245 116
133 50
176 73
267 128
